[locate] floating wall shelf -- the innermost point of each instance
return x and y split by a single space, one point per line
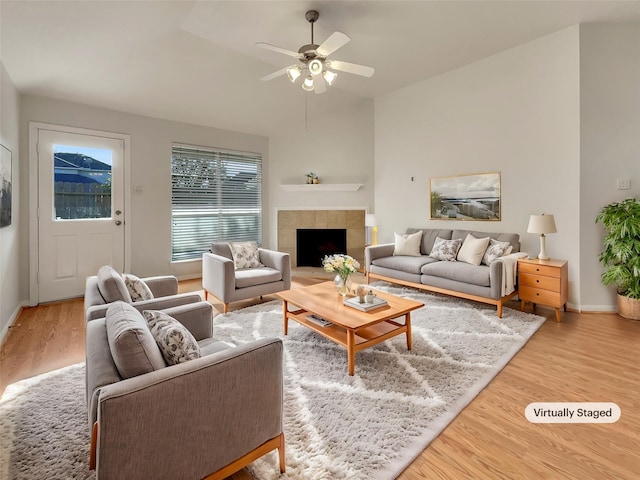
323 187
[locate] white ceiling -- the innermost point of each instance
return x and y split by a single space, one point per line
196 61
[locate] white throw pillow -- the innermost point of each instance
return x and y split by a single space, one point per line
446 250
245 254
472 249
408 244
175 341
495 250
137 288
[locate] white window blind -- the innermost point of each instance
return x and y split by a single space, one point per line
216 197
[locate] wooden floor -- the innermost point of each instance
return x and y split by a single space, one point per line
586 358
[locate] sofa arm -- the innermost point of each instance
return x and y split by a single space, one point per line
495 278
377 251
219 276
162 286
162 303
191 419
197 317
280 261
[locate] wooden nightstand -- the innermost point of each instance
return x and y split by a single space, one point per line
545 282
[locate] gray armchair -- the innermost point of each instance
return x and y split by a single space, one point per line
207 417
108 286
221 280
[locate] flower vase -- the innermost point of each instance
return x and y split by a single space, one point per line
343 284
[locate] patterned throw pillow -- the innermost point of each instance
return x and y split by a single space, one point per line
495 250
175 341
137 288
245 254
445 249
407 244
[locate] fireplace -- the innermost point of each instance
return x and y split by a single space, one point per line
312 244
350 221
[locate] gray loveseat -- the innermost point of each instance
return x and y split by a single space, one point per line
209 415
484 283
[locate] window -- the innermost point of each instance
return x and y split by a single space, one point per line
216 197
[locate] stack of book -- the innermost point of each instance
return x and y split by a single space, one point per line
366 306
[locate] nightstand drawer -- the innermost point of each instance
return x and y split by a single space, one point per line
545 270
537 295
539 281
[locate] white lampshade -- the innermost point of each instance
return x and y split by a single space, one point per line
307 85
541 224
329 76
315 67
370 220
293 73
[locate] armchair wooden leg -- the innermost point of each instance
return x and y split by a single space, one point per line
283 466
94 445
226 308
206 295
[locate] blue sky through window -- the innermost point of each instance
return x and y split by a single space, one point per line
101 154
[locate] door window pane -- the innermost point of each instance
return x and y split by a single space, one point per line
82 182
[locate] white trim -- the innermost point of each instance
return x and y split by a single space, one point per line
10 323
594 308
323 187
34 127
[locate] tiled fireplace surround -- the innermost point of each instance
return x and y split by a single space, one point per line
352 220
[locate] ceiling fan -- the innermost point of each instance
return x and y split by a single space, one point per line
317 69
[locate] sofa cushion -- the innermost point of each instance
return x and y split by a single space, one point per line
429 236
137 288
495 250
446 250
133 348
404 263
175 341
512 238
245 254
407 244
257 276
472 249
459 271
112 286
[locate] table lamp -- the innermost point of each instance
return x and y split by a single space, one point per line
372 225
542 224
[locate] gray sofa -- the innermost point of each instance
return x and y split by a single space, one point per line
108 286
482 283
209 415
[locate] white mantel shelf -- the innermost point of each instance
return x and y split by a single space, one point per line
323 187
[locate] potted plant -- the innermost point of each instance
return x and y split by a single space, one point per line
621 254
312 178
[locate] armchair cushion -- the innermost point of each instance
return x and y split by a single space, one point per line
257 276
112 286
132 346
245 255
175 341
137 288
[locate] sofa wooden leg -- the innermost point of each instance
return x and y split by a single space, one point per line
226 308
499 310
283 466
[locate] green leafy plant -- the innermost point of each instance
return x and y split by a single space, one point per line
621 254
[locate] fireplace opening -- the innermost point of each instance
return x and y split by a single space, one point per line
312 244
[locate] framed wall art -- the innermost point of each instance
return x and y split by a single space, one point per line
5 186
466 197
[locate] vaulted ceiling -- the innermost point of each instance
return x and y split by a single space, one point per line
196 61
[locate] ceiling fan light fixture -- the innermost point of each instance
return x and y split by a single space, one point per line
307 85
293 73
329 76
315 66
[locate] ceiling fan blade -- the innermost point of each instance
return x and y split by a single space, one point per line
352 68
273 75
268 46
319 85
333 43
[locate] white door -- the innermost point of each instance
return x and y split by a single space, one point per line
80 210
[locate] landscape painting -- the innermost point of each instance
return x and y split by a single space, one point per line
466 197
5 186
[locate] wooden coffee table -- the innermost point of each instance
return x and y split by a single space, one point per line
345 325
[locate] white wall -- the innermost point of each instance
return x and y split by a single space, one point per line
338 147
610 139
10 293
151 139
516 113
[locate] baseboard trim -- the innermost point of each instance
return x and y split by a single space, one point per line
593 308
10 323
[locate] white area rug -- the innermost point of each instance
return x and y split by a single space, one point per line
369 426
